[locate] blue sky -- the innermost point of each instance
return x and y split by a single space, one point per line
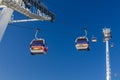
63 61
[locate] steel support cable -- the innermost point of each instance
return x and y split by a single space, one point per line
61 10
54 5
34 28
24 27
59 20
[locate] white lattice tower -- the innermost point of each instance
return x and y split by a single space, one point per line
108 70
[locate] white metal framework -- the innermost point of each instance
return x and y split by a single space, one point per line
107 37
5 16
23 20
108 70
19 6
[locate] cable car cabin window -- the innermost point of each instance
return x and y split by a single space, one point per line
37 43
94 39
82 41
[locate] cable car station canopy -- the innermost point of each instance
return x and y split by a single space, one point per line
40 12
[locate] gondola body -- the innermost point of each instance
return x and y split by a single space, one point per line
94 39
82 43
38 46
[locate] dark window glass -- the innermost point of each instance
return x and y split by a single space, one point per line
82 41
38 43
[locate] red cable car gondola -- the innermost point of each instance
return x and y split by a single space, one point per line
38 45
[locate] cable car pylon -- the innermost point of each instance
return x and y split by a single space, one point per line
107 37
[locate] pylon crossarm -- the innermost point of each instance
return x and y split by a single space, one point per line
24 20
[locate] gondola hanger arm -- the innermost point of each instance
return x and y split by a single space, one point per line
85 31
37 30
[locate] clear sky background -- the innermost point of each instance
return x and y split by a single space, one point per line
63 61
